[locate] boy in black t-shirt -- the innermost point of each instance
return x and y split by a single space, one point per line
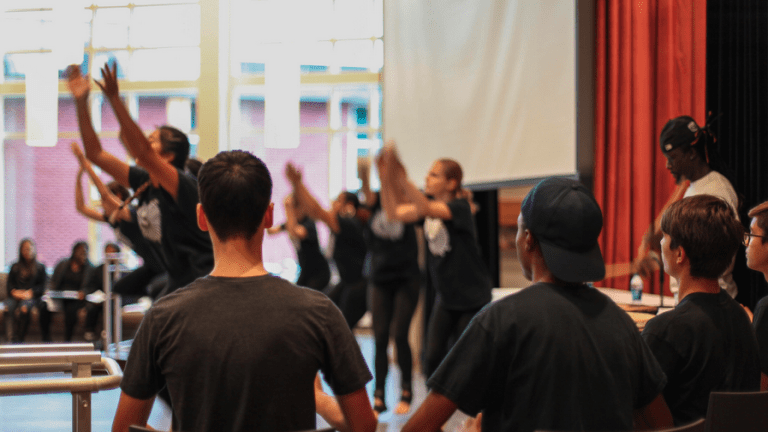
558 355
706 343
756 241
240 349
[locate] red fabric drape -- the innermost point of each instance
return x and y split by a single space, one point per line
650 67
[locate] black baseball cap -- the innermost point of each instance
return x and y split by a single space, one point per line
566 220
678 132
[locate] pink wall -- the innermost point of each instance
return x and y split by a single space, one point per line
40 182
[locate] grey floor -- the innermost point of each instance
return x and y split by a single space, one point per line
53 412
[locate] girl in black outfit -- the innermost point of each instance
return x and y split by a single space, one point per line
347 244
456 267
70 274
314 270
26 283
395 281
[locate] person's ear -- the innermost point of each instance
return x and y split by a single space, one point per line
202 221
680 255
269 216
529 241
453 185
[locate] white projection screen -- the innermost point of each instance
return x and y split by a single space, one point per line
490 83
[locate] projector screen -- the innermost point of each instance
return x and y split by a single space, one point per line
490 83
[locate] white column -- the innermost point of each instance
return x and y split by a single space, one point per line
214 89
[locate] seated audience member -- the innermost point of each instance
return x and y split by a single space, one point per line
95 283
69 274
240 349
558 355
706 343
25 285
756 241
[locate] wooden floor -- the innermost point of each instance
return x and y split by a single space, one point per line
49 413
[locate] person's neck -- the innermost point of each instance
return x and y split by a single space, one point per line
690 284
699 172
238 257
445 196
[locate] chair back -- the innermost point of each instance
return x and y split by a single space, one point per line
737 411
697 426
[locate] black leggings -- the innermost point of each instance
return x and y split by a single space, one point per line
393 305
351 299
443 324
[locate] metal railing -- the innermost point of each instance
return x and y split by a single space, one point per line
81 360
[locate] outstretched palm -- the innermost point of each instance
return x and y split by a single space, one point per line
79 85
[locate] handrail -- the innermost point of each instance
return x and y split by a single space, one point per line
60 385
79 357
46 347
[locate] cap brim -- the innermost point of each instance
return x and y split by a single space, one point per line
573 267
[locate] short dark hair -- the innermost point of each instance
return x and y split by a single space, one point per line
760 213
707 229
193 165
235 191
351 197
174 141
113 245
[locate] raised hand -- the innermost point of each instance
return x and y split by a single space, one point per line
292 173
109 86
77 151
79 85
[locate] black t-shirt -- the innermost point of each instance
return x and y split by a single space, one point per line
170 228
311 258
760 325
129 233
349 249
705 344
392 246
551 358
456 267
241 354
64 279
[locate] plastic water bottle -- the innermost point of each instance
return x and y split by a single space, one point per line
636 287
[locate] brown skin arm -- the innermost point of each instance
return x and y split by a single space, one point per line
80 87
357 411
645 264
84 210
292 225
431 415
655 415
159 168
131 411
308 201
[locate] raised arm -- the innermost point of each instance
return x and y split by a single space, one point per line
306 199
90 213
109 201
160 170
364 174
292 225
80 87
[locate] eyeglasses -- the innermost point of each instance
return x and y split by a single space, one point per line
748 237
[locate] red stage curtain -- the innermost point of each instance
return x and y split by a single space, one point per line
651 61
